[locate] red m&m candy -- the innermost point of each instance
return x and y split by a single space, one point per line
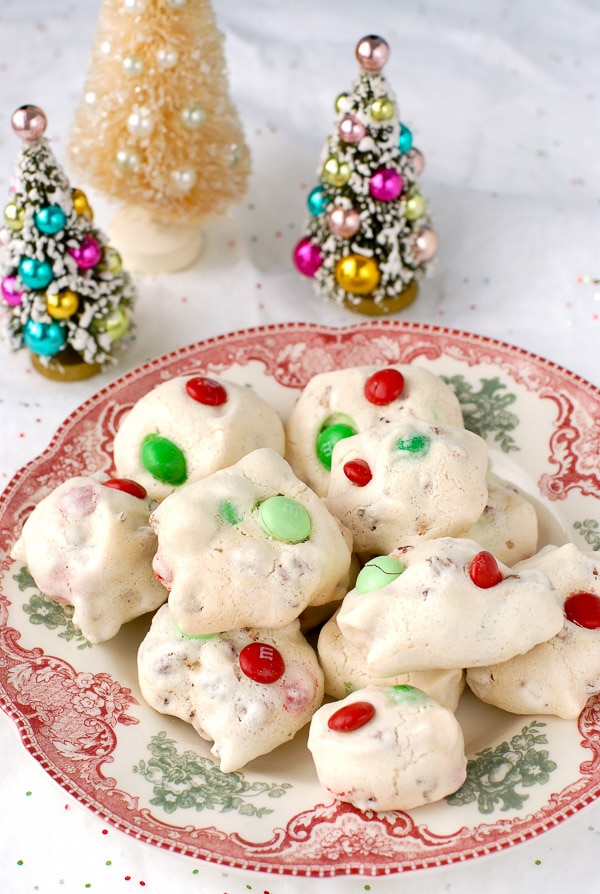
583 609
206 391
351 717
261 663
384 386
484 571
358 472
127 486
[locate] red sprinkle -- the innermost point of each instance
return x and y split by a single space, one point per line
583 609
261 663
351 717
384 386
127 486
484 570
358 472
206 391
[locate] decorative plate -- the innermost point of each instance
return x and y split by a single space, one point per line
78 707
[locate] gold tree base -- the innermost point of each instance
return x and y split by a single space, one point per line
389 306
147 245
66 366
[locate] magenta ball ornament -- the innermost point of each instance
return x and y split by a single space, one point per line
385 185
307 257
87 254
11 294
351 130
426 245
29 123
343 222
372 52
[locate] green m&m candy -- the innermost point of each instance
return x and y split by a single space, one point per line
285 519
193 635
378 573
163 459
405 694
335 428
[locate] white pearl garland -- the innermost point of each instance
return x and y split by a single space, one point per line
193 116
140 123
133 66
167 58
183 179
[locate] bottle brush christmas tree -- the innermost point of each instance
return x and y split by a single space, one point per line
156 128
64 293
369 237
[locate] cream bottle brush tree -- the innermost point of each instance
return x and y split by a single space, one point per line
157 130
64 293
368 239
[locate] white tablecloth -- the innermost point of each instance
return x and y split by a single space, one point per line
504 101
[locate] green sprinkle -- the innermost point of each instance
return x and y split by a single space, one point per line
20 862
229 513
414 444
108 863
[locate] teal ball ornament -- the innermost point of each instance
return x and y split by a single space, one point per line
405 139
45 339
317 200
50 219
35 274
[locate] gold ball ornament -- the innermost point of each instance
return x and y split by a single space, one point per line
382 109
81 204
62 305
336 173
415 206
357 274
14 216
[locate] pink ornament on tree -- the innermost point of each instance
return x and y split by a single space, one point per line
343 222
417 160
426 245
10 293
372 52
351 130
29 123
307 257
385 185
88 254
